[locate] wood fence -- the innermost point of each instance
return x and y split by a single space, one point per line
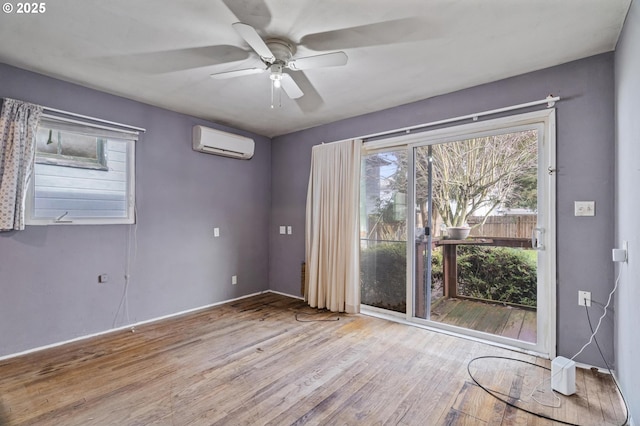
513 226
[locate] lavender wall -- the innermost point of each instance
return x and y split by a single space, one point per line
48 274
585 154
627 89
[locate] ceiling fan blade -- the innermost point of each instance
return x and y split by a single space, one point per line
290 87
318 61
236 73
253 12
251 36
168 61
376 34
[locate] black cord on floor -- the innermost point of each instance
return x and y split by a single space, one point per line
626 407
493 393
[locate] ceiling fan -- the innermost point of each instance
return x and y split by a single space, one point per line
277 54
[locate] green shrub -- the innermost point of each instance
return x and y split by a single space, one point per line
497 273
383 276
436 268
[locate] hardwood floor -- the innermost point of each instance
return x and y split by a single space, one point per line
494 318
269 359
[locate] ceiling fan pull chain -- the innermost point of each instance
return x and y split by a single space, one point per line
272 89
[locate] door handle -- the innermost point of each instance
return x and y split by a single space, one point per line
536 238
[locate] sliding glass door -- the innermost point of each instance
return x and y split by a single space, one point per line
463 218
383 231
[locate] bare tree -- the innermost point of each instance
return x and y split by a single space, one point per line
384 196
469 177
474 175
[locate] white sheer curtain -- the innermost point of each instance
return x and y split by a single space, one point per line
18 126
332 228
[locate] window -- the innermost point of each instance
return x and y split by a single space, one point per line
83 174
63 148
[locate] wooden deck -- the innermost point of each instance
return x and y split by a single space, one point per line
273 360
494 318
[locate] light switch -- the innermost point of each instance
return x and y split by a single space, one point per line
283 230
289 230
216 232
584 208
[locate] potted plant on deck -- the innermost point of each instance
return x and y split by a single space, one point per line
458 232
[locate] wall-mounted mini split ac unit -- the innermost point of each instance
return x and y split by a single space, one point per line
213 141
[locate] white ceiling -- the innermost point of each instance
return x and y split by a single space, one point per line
162 52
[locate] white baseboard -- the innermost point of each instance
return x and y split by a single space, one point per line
284 294
129 326
589 367
630 421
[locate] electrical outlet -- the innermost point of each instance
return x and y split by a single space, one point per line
584 298
289 230
234 279
216 232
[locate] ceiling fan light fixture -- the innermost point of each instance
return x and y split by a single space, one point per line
276 83
276 75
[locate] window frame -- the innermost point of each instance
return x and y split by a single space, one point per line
130 138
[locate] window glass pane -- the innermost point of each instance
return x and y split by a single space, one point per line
383 230
80 178
79 192
45 141
78 145
68 148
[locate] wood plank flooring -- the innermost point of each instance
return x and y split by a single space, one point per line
494 318
272 360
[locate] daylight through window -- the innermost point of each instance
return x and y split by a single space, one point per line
83 174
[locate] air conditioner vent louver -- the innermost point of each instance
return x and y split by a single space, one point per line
217 142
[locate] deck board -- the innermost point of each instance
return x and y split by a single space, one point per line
494 318
513 325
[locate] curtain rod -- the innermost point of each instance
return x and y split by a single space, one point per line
549 100
121 130
98 120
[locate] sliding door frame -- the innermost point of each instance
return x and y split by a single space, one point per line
544 122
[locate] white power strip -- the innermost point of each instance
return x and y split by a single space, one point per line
563 375
620 254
